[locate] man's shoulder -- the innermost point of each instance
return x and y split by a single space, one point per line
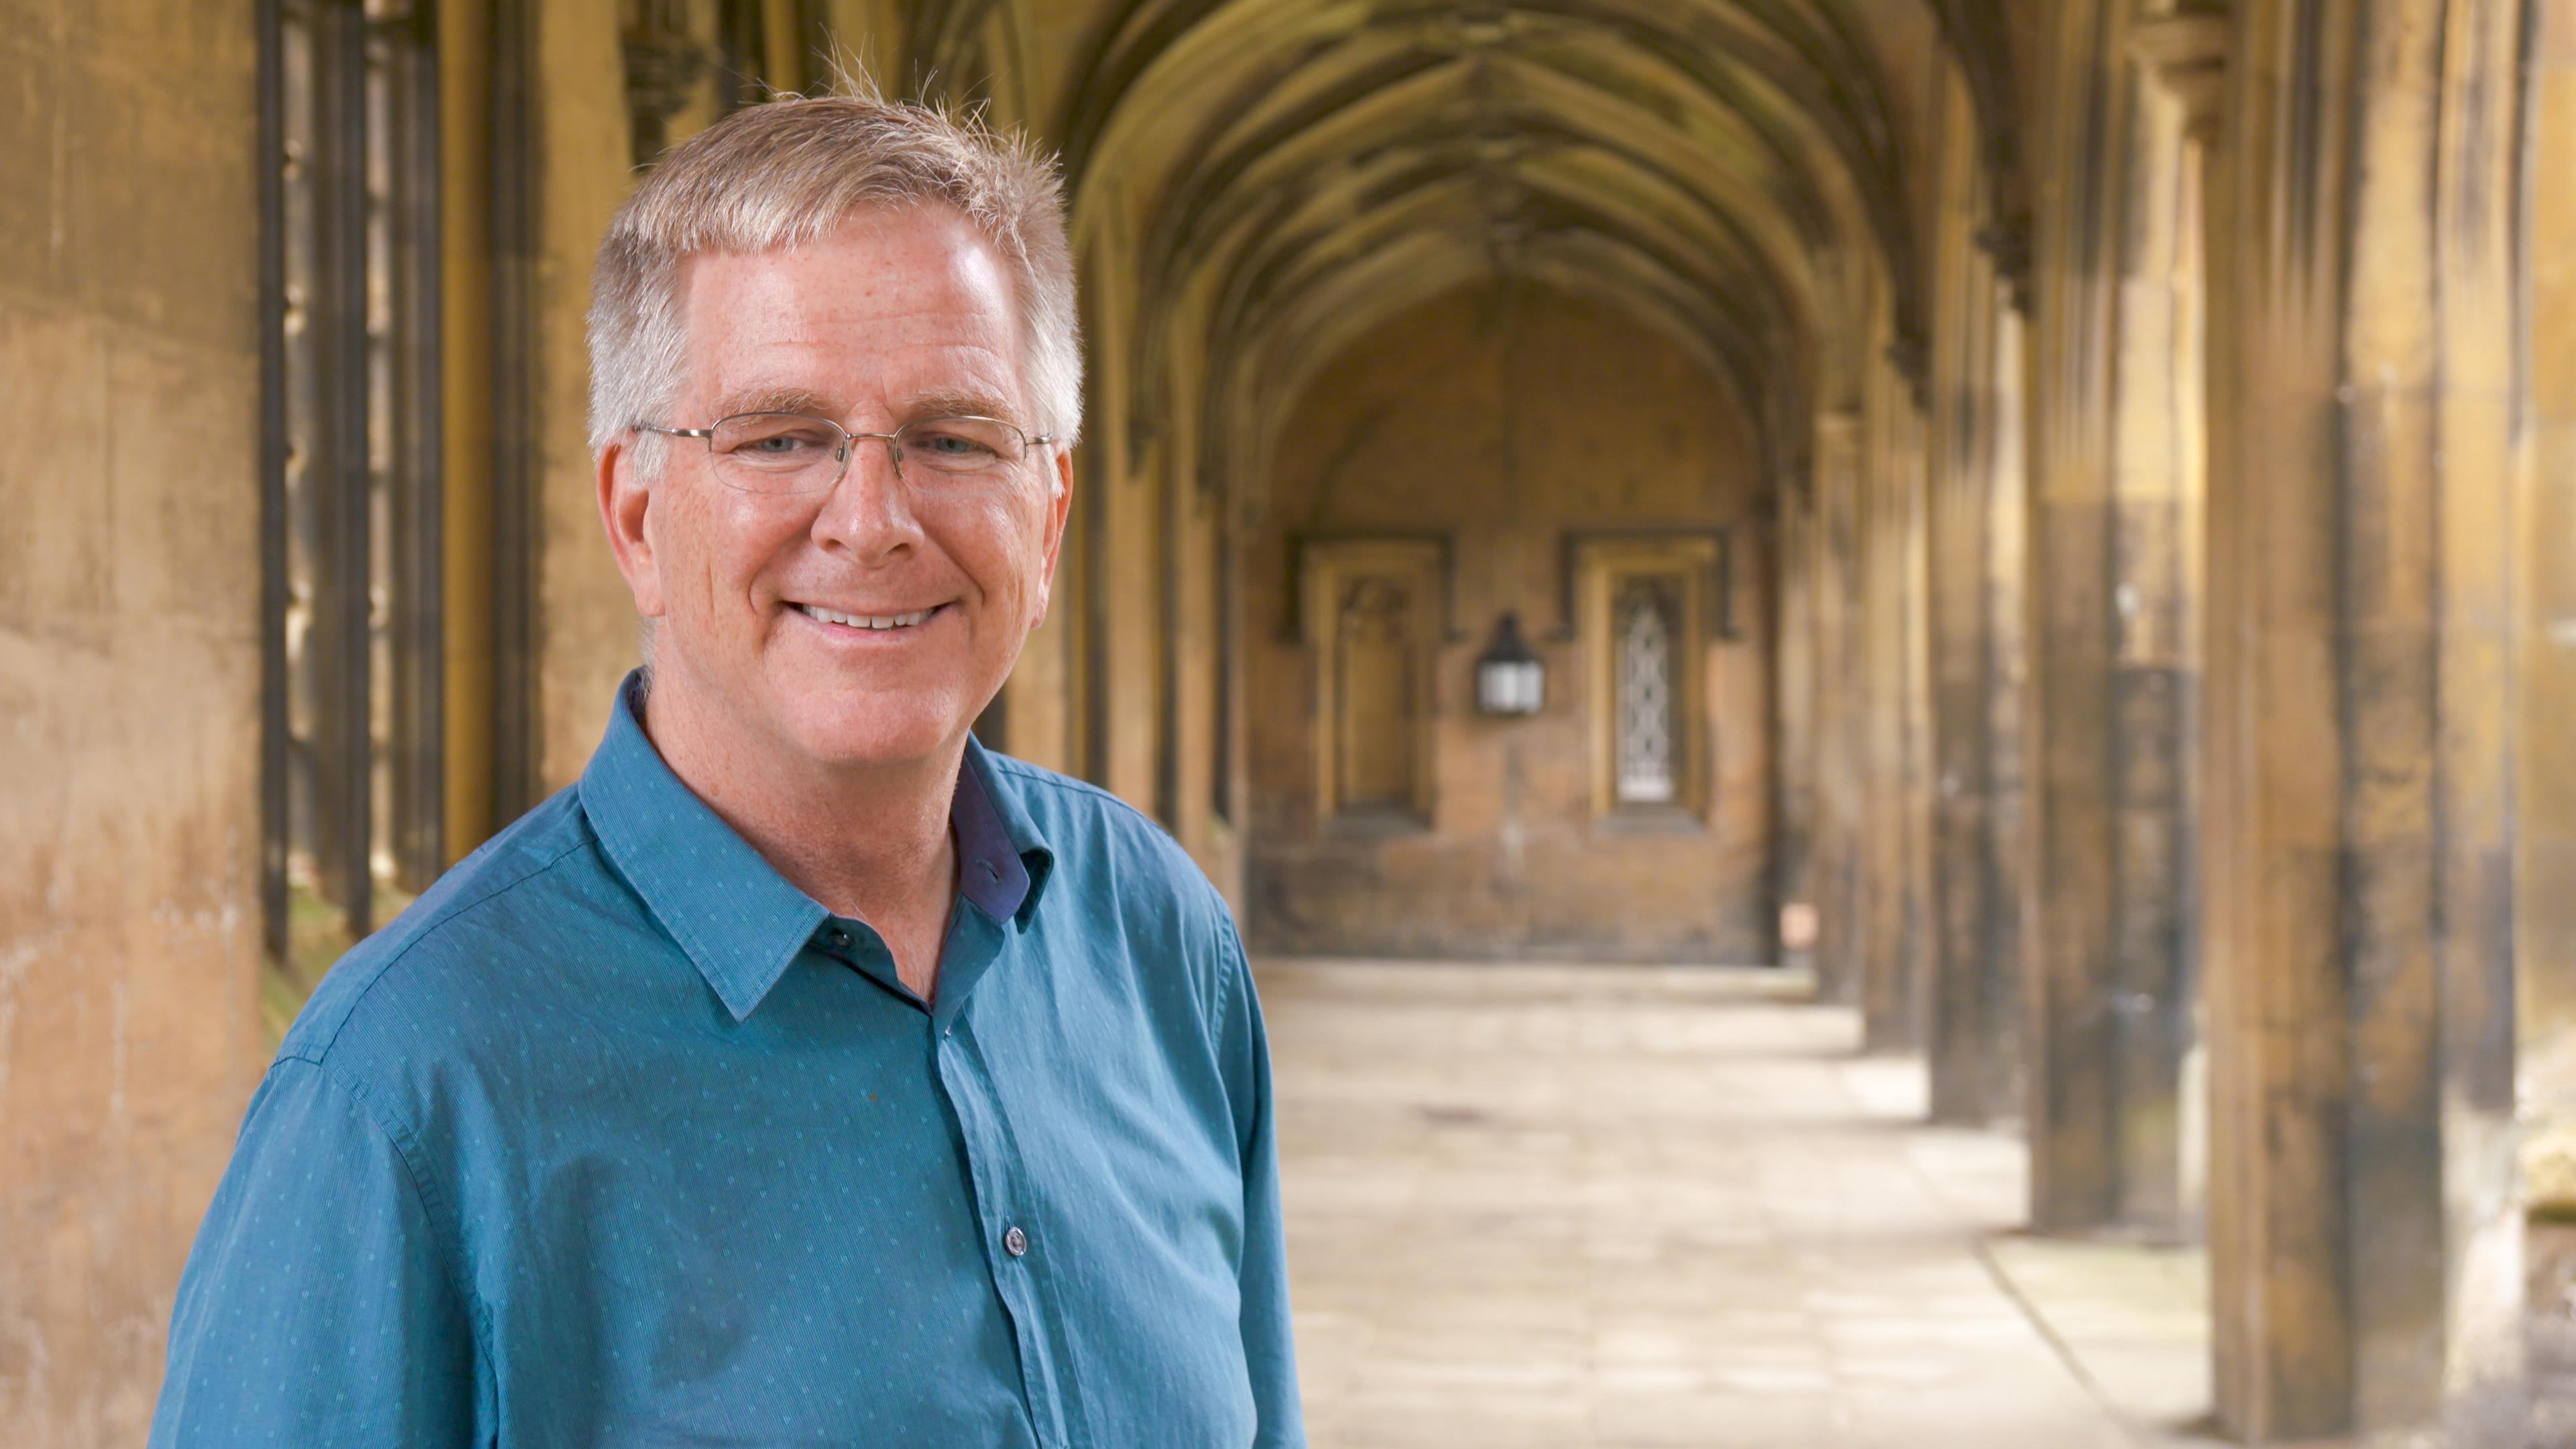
1051 796
426 966
1120 877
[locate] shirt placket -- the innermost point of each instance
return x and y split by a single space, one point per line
1014 1239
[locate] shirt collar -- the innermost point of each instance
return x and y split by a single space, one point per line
738 919
1002 862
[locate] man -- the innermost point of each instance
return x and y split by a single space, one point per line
806 1074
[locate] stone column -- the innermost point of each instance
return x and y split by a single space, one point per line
579 617
2159 480
1794 700
2479 428
1972 1029
2006 857
1913 484
2364 1251
2545 577
1835 576
1894 905
2115 494
2072 1039
1961 1020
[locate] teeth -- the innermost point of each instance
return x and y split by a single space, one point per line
866 621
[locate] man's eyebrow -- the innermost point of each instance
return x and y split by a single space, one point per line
775 400
957 402
938 402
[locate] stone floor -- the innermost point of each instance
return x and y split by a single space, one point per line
1591 1206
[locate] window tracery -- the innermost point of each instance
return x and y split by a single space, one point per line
1645 672
1649 608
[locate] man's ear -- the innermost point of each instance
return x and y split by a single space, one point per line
1059 508
625 510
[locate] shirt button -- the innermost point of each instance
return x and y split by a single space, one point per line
839 938
1015 1242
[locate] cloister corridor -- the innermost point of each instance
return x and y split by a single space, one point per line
1881 687
1596 1207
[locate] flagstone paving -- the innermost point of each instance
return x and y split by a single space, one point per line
1616 1207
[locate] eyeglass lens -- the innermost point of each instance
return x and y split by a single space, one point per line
793 453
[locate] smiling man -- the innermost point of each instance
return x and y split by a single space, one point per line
806 1074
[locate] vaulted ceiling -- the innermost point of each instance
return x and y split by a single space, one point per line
1256 182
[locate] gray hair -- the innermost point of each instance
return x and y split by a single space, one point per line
792 170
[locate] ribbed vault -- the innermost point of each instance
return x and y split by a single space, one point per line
1257 182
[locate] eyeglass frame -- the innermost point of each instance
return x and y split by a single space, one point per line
1029 443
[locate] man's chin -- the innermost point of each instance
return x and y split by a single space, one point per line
873 733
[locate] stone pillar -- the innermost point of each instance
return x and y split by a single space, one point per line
1835 577
2072 1041
1973 1025
1972 1029
1794 702
1894 904
2480 428
2364 1250
2120 460
2159 482
2006 600
1962 1019
2545 574
583 617
1914 497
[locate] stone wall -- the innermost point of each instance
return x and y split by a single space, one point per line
1500 418
129 679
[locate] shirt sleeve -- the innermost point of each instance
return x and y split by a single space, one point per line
315 1309
1269 1348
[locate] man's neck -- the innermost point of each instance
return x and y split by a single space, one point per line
868 843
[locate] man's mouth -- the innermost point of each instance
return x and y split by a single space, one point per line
867 621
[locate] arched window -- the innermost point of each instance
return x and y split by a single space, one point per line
1649 608
1373 612
1645 618
1374 645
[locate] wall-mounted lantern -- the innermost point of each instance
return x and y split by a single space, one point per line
1509 677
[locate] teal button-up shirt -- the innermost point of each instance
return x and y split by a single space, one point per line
617 1138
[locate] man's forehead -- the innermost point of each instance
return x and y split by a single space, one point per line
907 312
900 253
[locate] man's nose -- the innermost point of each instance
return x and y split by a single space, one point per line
869 511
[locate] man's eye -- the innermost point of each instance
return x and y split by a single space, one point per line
952 445
798 446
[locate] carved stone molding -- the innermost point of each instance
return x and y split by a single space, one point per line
2008 243
2185 55
665 61
1911 355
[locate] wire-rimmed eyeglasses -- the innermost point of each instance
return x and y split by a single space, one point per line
800 453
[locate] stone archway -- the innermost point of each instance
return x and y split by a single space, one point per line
1535 451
